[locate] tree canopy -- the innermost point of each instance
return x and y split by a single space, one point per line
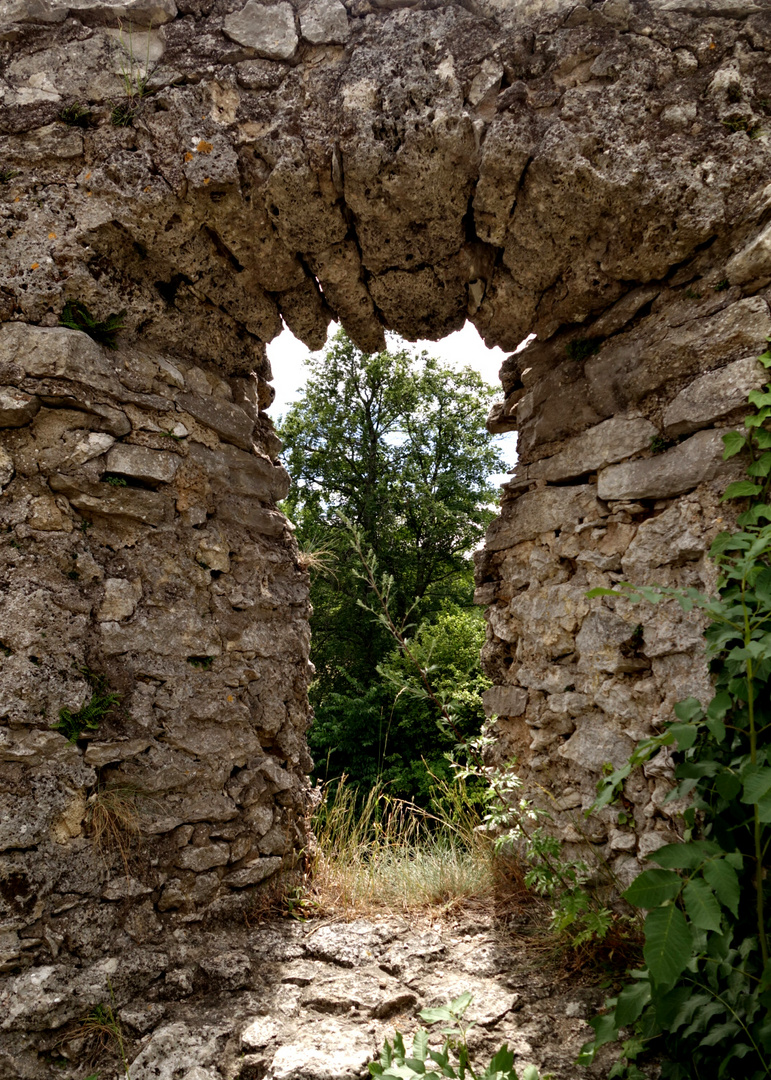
395 444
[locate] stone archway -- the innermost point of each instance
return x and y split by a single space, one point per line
593 172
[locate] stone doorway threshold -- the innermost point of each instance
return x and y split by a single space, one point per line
314 1000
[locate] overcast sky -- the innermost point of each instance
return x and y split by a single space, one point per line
463 348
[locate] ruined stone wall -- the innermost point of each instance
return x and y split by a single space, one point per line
594 172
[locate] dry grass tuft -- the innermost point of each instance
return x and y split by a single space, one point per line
114 820
391 856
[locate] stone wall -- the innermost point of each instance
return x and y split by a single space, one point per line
593 172
141 555
617 481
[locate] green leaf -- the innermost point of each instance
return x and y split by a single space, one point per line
688 709
653 887
605 1031
700 905
668 943
434 1016
682 856
756 782
734 443
724 880
530 1073
765 358
459 1004
420 1044
503 1061
631 1002
759 398
603 592
761 467
686 735
741 489
728 785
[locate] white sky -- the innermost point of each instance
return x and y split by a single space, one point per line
461 349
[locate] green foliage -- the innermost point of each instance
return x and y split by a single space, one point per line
704 995
583 348
452 1059
394 445
115 481
723 285
743 123
122 114
659 444
6 175
76 316
204 663
76 116
89 717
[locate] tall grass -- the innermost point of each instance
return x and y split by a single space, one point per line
389 855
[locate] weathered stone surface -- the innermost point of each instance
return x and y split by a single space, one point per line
613 440
231 423
324 21
592 745
673 472
253 872
542 511
713 396
269 30
16 407
150 466
504 701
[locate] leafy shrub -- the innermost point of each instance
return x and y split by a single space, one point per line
452 1059
76 316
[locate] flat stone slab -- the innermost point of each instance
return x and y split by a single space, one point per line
605 443
542 511
674 472
713 396
269 30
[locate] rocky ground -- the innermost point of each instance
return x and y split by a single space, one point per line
313 1000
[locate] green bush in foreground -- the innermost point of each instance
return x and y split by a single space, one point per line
453 1059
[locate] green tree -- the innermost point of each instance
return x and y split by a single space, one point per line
394 443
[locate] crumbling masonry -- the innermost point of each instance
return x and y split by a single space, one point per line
593 172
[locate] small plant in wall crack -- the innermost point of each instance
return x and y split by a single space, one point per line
76 316
452 1058
89 716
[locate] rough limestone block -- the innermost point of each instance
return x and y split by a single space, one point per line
120 599
95 444
611 441
16 407
199 859
325 22
753 261
147 506
713 396
253 872
7 468
100 754
674 472
541 511
231 423
269 30
594 743
504 701
57 353
149 466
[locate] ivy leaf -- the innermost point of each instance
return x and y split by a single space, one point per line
728 785
761 467
503 1061
765 358
725 881
741 489
759 398
653 888
668 942
734 443
701 906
